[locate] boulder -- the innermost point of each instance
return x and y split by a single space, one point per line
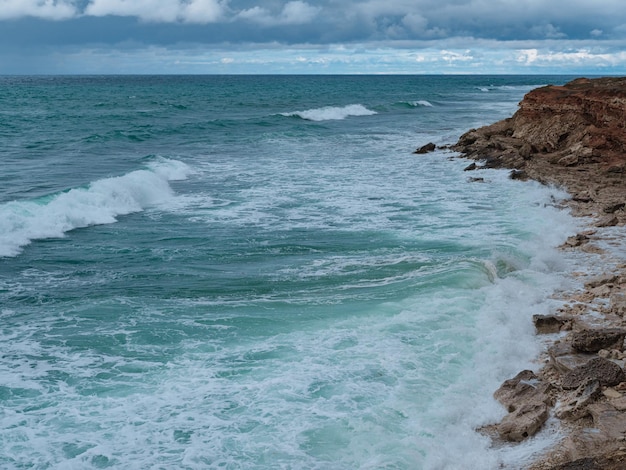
605 371
577 240
591 341
471 167
429 147
524 422
528 400
523 388
607 221
564 358
545 324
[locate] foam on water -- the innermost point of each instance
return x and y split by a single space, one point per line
100 202
330 113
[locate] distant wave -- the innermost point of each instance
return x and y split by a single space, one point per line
507 88
421 103
414 104
330 113
98 203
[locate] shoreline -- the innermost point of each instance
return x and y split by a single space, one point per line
571 137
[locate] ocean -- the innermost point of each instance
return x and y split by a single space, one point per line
256 272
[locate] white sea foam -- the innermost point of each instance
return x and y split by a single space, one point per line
100 202
330 113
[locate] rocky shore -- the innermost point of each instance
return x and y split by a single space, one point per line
574 137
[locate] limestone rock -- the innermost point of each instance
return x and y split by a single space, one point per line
545 324
574 406
619 403
524 422
606 372
565 359
601 280
608 420
618 303
577 240
611 393
527 399
523 388
608 221
591 341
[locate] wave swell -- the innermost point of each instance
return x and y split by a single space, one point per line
100 202
330 113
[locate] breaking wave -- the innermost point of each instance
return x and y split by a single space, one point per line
330 113
100 202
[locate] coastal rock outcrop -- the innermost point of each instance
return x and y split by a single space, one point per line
572 135
528 401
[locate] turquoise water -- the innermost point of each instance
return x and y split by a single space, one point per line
255 272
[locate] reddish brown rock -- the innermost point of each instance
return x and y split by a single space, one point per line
572 135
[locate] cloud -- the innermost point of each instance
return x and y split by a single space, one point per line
293 13
381 35
192 11
47 9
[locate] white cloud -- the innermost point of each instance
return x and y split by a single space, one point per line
193 11
293 13
48 9
202 11
527 56
453 56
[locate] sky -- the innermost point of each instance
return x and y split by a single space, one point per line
579 37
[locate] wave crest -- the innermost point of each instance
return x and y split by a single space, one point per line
330 113
101 202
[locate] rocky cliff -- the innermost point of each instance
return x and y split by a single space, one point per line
572 135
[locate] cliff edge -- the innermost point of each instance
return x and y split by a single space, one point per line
572 136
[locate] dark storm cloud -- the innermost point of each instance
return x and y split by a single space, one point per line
325 21
479 35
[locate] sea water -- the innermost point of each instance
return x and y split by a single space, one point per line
255 272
